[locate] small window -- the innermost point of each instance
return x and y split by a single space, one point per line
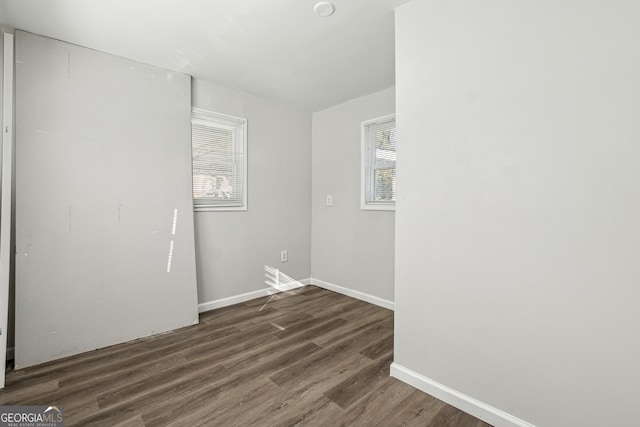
218 147
379 164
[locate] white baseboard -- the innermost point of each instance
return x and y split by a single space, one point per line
236 299
353 293
486 413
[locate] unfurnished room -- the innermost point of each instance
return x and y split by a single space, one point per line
320 213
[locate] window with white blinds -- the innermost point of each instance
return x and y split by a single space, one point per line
219 148
379 163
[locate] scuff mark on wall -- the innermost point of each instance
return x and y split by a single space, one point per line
26 249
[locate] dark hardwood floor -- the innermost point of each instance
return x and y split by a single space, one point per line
306 357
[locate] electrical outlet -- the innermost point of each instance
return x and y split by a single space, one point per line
329 200
284 256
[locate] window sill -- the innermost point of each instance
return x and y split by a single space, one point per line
218 208
377 207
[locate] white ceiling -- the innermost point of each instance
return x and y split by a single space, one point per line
278 49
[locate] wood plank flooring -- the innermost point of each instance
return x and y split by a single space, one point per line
307 357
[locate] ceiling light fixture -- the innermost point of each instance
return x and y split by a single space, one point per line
324 9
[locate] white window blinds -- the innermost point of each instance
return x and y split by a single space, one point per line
379 163
219 144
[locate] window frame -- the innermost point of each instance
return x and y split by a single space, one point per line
236 125
365 170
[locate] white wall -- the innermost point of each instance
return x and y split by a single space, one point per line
518 220
350 247
232 248
10 320
104 220
6 196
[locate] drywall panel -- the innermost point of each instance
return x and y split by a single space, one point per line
518 219
104 222
350 247
233 247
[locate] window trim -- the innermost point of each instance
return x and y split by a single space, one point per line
202 116
364 204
